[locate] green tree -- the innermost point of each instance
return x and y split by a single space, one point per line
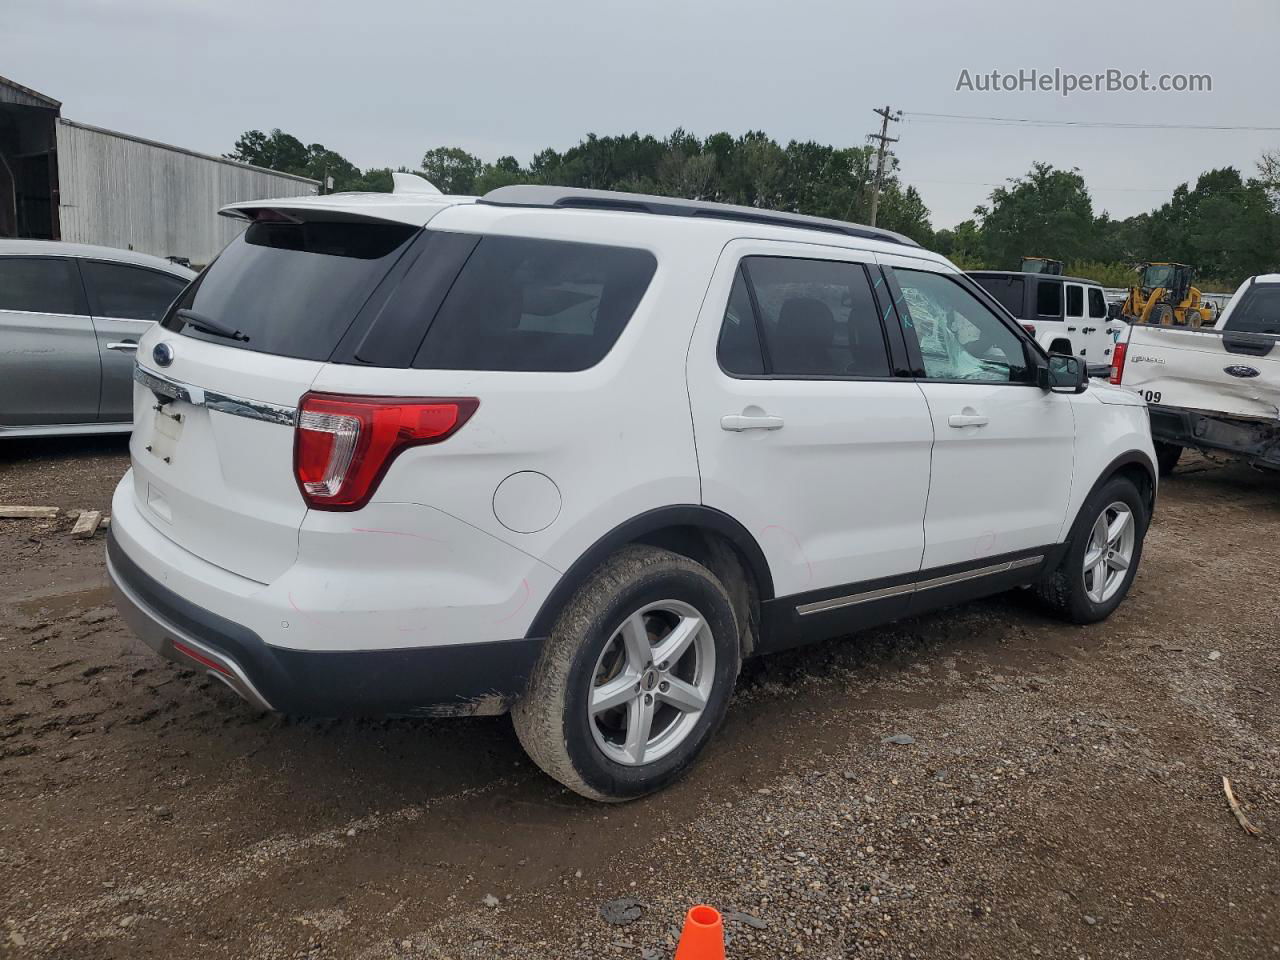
962 245
452 169
1047 213
275 151
284 152
505 172
1225 227
323 163
373 180
1269 176
905 212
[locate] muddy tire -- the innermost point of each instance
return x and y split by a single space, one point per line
1102 557
1167 456
635 677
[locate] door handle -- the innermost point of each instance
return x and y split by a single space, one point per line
739 422
1071 329
967 420
130 345
1088 329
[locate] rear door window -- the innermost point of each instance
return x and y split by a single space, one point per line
1049 300
1075 301
294 288
122 292
1259 310
819 318
40 285
1008 291
536 305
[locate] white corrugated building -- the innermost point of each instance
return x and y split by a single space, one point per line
62 180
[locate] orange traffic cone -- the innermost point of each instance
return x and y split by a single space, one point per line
703 935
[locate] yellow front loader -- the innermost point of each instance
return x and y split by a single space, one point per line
1165 297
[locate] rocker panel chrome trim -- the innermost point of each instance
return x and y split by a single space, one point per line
835 603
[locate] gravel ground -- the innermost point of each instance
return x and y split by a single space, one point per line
983 782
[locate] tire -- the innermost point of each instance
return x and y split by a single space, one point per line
1167 456
1161 315
596 650
1067 590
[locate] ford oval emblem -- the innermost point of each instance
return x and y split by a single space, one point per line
1240 370
162 353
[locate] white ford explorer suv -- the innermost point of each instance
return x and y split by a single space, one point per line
576 454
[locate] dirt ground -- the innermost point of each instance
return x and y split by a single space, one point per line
983 782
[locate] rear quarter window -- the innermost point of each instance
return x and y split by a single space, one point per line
1097 304
523 304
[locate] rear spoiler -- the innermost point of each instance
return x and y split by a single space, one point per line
411 203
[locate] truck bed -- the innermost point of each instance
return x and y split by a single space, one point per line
1210 389
1215 372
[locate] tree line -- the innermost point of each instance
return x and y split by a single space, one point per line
1227 225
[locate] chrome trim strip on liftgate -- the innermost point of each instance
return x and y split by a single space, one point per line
213 400
835 603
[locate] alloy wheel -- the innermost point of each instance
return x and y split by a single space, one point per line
1109 554
651 682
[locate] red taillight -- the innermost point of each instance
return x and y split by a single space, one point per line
1117 362
1030 328
343 445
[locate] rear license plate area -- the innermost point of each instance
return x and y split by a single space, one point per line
166 431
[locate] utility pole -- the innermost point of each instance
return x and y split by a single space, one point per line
886 115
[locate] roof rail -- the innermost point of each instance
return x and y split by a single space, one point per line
532 195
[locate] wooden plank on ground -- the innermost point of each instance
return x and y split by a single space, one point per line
87 525
28 513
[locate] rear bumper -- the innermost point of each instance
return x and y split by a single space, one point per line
450 680
1257 441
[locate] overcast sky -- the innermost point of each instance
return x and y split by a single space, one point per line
381 81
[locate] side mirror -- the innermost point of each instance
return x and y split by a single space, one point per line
1113 311
1064 375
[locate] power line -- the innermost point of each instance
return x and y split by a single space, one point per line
886 115
923 117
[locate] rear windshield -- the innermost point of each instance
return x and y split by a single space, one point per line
1006 290
293 289
536 305
1258 310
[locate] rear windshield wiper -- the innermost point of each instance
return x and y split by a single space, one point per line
210 325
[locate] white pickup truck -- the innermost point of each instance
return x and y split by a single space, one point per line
1213 388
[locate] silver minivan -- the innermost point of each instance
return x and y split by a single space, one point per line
70 319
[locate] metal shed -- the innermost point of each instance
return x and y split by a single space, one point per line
62 180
